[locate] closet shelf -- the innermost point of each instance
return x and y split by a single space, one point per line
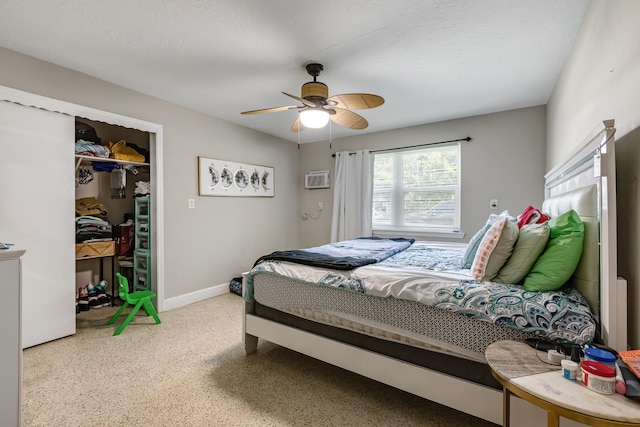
80 159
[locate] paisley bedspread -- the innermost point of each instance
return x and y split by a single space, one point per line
431 274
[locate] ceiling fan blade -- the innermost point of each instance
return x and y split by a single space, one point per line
297 126
349 119
304 101
271 110
357 101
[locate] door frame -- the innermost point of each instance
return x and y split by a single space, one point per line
156 160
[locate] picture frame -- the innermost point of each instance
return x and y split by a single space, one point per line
233 179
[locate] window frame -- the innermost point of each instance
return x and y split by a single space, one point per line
397 224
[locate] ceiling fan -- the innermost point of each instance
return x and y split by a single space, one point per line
317 107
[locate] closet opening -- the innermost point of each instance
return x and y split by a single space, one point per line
42 135
114 224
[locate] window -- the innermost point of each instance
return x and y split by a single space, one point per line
417 189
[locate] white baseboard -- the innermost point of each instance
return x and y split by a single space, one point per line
190 298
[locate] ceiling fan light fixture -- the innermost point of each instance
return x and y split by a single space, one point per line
314 118
317 107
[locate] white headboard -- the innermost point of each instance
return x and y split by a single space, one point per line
586 278
586 182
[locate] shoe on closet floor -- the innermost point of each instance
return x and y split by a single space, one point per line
83 298
91 289
94 302
103 298
93 296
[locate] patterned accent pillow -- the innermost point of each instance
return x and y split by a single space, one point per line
474 243
472 246
494 250
532 240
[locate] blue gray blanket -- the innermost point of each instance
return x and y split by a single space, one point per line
345 255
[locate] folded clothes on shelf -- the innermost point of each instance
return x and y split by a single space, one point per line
121 151
90 228
142 188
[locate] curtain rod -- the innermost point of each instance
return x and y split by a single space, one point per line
414 146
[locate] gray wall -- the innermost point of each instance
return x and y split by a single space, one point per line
223 236
504 161
601 80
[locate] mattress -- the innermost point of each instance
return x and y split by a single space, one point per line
392 319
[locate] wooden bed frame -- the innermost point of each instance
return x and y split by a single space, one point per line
592 163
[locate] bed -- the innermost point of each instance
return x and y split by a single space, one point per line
413 319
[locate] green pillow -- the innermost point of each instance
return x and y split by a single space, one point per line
532 240
561 256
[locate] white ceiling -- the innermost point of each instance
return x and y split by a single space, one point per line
431 60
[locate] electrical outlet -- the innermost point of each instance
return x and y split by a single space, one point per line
320 206
192 204
493 204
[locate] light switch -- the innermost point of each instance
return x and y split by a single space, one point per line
493 204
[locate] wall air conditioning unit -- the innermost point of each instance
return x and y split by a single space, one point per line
317 179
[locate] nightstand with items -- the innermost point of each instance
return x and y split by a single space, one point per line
522 372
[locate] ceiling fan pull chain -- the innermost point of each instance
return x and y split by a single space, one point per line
298 121
330 137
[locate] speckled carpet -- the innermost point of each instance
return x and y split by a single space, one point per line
191 371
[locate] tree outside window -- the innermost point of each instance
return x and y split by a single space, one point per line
417 189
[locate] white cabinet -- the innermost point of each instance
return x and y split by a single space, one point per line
37 210
10 336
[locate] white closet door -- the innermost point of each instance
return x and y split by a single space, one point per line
37 210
